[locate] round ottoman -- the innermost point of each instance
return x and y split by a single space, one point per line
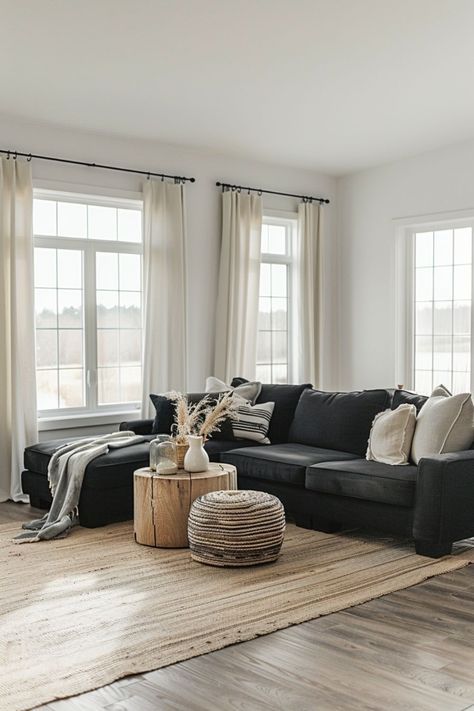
236 528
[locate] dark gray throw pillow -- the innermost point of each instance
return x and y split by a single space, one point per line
164 414
337 420
165 411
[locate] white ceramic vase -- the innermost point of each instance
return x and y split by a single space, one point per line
196 458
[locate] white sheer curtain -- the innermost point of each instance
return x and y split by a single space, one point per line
18 420
239 277
308 288
164 290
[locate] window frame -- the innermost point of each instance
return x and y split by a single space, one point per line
405 267
289 220
91 413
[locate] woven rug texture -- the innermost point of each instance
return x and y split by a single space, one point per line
81 612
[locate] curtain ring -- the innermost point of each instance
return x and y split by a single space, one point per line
15 155
162 178
8 155
29 158
148 176
259 193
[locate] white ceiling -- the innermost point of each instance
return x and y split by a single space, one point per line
334 85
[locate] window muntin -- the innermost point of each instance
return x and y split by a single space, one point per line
442 334
87 302
274 358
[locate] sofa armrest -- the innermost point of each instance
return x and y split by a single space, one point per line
140 427
444 507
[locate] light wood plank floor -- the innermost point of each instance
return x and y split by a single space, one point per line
409 651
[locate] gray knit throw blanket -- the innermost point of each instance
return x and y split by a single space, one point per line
65 475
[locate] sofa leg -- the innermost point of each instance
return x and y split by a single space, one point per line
433 550
326 525
303 520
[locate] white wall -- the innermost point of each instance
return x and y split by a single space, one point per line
203 210
368 202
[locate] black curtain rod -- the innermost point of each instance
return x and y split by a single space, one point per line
149 174
305 198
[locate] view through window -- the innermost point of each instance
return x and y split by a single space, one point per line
442 340
87 302
274 358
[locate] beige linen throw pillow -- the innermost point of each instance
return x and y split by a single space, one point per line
248 391
445 424
391 435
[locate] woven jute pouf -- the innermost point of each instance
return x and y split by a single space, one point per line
236 528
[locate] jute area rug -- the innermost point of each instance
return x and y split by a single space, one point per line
81 612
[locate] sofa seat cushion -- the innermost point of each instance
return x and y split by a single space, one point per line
361 479
285 463
108 471
37 456
215 447
114 468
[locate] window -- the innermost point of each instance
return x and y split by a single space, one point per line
87 302
274 356
442 307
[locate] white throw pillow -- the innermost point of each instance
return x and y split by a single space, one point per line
253 422
445 424
391 435
247 391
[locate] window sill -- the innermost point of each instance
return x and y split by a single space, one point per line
65 422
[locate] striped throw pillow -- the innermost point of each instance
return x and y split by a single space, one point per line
253 422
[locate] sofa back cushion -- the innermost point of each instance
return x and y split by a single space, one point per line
286 398
405 397
226 432
337 420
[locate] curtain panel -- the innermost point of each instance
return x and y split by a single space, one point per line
238 287
308 296
164 290
18 417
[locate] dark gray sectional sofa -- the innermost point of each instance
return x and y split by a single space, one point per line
315 464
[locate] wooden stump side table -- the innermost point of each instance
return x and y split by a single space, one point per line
162 502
